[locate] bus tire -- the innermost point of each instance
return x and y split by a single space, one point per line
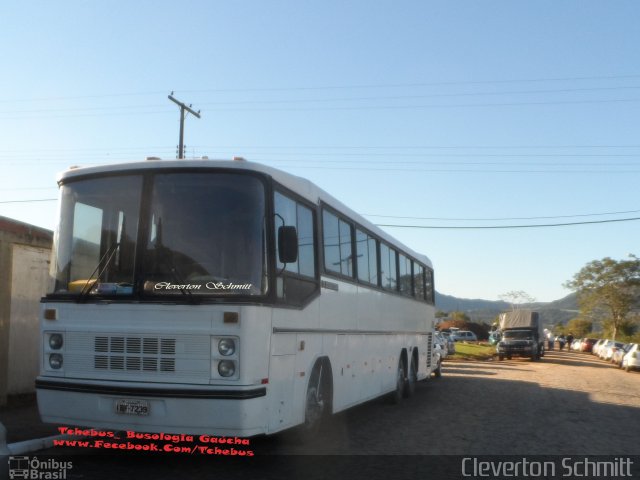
318 398
412 379
396 396
438 371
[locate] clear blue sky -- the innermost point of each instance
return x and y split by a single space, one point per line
455 110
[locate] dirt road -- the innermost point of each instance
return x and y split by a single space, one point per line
568 403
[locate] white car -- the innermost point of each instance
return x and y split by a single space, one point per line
451 345
619 354
440 344
598 345
631 361
607 352
463 336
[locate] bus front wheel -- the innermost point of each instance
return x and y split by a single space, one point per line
318 399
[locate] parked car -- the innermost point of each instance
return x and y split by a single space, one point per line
587 344
464 336
631 360
598 345
494 337
603 348
617 356
609 349
575 345
440 344
451 345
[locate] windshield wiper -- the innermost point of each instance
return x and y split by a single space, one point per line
185 291
109 253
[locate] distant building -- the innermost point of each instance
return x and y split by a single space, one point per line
24 269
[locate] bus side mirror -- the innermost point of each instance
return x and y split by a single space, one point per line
287 244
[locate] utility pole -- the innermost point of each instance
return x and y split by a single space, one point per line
184 109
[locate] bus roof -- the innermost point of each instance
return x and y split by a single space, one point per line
299 185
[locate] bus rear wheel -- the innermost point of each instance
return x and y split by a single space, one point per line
438 371
412 379
396 396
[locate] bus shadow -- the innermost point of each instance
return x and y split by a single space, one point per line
479 415
459 371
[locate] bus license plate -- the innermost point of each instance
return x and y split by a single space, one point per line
132 407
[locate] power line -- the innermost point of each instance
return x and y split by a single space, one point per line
28 201
501 218
439 227
493 227
333 87
345 108
416 147
447 170
327 100
414 97
428 106
333 147
27 188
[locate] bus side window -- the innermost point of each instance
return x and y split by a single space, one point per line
298 281
338 257
418 280
367 258
388 267
429 288
404 281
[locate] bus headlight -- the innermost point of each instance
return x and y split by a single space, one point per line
226 346
55 361
55 341
226 368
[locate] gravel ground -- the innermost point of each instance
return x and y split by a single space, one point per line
567 404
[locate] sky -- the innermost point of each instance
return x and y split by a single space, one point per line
414 113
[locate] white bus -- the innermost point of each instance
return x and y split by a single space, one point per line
226 298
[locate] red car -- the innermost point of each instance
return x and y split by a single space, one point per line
587 344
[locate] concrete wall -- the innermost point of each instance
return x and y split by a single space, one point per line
24 256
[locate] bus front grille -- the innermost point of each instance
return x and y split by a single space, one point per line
147 354
181 358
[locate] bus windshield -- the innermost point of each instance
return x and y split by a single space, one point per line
197 234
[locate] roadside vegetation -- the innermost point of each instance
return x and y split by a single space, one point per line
608 292
462 321
473 351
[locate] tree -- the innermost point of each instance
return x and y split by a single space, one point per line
579 327
459 316
608 286
516 298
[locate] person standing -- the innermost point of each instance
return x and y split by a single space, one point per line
569 341
561 341
549 341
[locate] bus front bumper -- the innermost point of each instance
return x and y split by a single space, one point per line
215 410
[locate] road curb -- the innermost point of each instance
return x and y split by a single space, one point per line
36 444
27 446
4 450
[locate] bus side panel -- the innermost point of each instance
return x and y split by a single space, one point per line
281 387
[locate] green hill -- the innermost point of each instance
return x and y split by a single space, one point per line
484 311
